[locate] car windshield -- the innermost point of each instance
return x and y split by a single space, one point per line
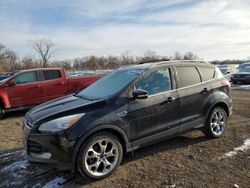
244 69
110 84
223 70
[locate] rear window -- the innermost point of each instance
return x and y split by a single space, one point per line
188 76
207 73
51 74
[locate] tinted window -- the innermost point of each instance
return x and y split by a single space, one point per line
156 82
28 77
207 73
187 76
51 74
245 69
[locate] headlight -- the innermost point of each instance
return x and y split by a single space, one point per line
60 123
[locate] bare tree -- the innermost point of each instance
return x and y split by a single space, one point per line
149 54
45 49
177 56
8 59
190 56
127 57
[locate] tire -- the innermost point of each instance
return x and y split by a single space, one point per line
99 156
2 112
216 123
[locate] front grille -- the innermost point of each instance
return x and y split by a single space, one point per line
241 75
35 147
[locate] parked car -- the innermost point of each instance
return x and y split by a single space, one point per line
6 75
228 70
129 108
84 73
3 77
242 66
243 76
35 86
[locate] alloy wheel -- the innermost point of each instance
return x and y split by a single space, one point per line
218 122
101 157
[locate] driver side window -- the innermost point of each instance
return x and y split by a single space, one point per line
26 78
157 82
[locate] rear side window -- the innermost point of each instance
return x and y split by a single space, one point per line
51 74
207 73
188 76
26 78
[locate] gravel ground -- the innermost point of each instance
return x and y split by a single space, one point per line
190 160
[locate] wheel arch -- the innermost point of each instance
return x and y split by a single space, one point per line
1 102
115 130
5 101
221 104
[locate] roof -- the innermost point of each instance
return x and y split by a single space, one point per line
37 69
156 63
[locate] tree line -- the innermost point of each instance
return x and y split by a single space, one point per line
46 49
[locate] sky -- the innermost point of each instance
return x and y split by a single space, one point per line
212 29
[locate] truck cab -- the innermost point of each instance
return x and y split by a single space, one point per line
35 86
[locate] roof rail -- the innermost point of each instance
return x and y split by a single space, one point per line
153 60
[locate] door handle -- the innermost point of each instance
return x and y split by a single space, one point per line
169 100
204 91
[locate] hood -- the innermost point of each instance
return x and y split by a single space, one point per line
61 107
242 73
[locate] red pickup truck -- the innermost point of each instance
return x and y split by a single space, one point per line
34 86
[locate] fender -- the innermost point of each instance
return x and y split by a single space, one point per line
5 99
127 143
219 101
218 97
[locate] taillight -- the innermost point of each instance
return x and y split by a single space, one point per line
225 83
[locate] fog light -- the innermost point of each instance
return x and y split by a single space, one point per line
41 155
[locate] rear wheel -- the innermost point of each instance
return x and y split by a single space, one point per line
216 123
100 156
2 112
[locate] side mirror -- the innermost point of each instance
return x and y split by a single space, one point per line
12 82
140 94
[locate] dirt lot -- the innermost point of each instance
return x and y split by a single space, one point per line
187 161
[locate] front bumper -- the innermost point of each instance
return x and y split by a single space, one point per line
50 148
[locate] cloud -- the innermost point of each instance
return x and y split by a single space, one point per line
211 29
206 12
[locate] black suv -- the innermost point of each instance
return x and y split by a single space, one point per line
243 76
129 108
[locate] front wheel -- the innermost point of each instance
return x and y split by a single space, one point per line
100 156
216 123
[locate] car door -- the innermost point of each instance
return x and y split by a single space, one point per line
155 117
53 84
27 90
192 94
